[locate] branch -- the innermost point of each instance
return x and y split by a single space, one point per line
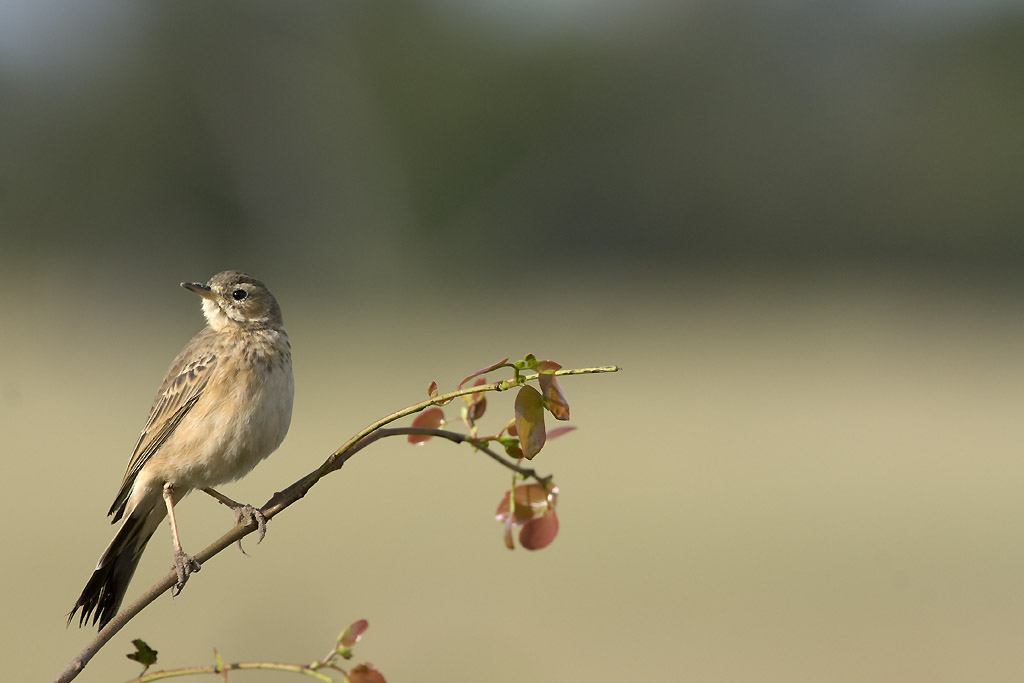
238 666
284 499
456 437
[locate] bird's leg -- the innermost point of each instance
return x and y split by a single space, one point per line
184 564
244 514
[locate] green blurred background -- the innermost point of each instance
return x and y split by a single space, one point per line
796 225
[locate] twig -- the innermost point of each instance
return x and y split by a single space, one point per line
457 437
238 666
283 499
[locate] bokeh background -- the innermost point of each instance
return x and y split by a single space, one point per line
797 225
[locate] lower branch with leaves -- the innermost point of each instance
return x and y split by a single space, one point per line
330 663
529 505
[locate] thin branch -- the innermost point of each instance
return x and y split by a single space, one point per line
458 437
285 498
238 666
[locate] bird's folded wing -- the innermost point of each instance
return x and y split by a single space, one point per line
178 395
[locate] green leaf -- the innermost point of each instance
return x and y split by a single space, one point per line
144 654
529 410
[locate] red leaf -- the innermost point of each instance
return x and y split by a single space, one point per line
554 397
477 408
559 431
530 421
535 510
432 390
532 501
431 418
497 365
477 402
539 533
365 673
501 514
546 367
351 635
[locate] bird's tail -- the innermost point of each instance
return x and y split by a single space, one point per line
102 596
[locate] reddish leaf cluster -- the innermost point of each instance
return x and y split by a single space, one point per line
360 673
534 504
534 510
530 405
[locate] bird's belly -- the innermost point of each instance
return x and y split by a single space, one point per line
227 433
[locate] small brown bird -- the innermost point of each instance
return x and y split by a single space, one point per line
224 405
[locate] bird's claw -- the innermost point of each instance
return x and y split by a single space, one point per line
184 565
246 514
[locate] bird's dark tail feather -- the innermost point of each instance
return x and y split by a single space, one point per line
102 596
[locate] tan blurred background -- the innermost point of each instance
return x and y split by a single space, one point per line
796 225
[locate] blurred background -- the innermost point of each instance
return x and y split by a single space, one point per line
796 225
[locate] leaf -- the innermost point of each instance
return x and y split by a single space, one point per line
532 501
554 398
503 516
559 431
431 418
477 408
539 533
432 390
477 402
365 673
351 635
547 367
535 510
144 654
489 368
529 410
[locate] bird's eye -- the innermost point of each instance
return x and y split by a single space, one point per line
239 294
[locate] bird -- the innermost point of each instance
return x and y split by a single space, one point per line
224 405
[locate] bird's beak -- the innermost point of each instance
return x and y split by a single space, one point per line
200 289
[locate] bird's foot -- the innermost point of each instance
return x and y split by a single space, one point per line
184 565
244 514
247 514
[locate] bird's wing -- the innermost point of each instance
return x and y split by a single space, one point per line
179 392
